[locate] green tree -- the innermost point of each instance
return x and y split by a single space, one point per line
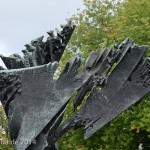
5 143
132 21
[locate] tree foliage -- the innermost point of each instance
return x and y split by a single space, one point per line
93 27
132 21
5 143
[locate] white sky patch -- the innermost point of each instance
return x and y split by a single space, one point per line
24 20
5 52
2 64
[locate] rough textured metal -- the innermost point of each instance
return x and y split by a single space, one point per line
35 102
106 60
120 92
40 52
125 85
17 91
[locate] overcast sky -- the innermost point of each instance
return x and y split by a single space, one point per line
24 20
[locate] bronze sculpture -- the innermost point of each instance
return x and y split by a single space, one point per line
35 102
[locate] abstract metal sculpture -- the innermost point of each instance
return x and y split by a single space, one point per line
35 102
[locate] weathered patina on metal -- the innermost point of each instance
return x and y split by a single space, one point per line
35 102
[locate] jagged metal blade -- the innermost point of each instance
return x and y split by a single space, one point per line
33 92
107 97
12 62
27 108
84 117
67 81
69 69
87 86
131 92
82 92
55 45
100 101
106 61
41 142
17 89
38 52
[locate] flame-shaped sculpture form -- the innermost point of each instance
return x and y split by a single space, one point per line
35 102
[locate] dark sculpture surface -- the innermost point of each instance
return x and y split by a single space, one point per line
35 102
